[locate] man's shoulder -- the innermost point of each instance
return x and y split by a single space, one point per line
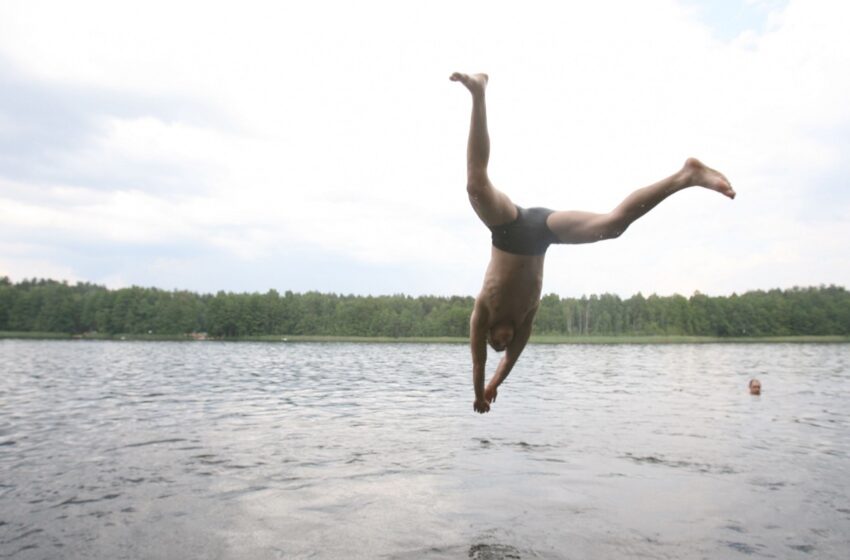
481 308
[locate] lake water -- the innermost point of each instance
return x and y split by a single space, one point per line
252 451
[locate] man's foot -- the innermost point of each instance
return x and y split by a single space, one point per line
700 175
475 83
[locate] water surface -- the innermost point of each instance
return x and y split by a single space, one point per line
239 450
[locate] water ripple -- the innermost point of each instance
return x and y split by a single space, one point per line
153 450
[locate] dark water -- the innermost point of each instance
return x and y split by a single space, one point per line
254 451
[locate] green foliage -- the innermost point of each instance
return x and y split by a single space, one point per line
57 307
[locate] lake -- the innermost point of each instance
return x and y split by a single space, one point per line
305 450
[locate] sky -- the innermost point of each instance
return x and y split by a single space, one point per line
247 146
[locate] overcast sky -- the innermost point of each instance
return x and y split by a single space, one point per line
300 146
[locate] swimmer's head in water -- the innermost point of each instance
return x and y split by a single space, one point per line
755 387
500 336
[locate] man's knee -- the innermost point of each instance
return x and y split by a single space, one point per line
615 224
477 185
614 233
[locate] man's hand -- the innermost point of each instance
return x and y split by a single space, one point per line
490 393
481 406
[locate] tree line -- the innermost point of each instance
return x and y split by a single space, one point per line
39 305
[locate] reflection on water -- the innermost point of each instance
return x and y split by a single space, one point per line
219 450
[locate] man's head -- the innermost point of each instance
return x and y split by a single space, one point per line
500 335
755 387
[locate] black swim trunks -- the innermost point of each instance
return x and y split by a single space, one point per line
528 234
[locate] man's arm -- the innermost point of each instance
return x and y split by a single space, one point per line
478 344
512 353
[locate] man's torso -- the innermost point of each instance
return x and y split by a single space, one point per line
512 286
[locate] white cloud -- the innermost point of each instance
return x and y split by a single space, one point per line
343 137
23 257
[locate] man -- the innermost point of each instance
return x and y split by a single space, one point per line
504 310
755 387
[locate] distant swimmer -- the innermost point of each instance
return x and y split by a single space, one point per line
755 387
505 308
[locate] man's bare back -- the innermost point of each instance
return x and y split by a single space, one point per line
505 308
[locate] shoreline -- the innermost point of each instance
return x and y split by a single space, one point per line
535 339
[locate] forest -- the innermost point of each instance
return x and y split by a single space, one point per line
49 306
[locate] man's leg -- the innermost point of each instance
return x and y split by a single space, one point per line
587 227
492 206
